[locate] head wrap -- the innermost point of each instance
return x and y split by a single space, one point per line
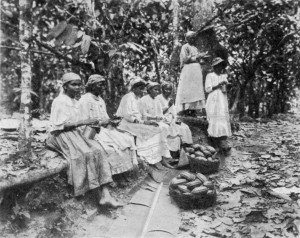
67 77
152 85
217 61
189 34
166 84
138 82
95 78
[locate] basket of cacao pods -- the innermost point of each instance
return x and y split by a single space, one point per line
203 159
191 191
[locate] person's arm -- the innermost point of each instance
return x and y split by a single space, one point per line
209 87
130 110
61 119
185 55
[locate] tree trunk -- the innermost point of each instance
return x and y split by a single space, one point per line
25 107
176 45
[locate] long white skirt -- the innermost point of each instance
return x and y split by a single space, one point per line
190 92
151 142
218 114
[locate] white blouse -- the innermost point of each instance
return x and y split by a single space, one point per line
150 107
212 80
92 107
128 108
63 110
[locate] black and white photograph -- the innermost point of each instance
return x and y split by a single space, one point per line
150 118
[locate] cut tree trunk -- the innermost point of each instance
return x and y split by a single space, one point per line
25 107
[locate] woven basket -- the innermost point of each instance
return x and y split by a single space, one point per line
192 201
204 167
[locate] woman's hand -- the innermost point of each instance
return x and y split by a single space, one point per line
151 123
171 102
104 122
88 122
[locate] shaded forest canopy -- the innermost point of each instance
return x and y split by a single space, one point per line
120 39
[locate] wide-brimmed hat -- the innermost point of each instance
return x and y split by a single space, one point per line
67 77
217 61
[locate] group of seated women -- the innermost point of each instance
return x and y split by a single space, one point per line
148 131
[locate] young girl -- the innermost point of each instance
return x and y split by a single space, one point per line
217 106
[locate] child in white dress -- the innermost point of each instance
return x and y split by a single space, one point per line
217 106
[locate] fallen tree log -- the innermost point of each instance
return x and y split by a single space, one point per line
50 164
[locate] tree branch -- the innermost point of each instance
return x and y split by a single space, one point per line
61 56
34 51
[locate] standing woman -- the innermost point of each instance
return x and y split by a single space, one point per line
88 169
217 106
190 93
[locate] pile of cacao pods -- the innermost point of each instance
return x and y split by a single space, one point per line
203 158
194 186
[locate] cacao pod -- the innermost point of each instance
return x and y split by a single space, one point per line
196 147
209 159
202 147
199 153
178 181
192 156
211 149
187 175
200 190
183 188
208 184
206 153
193 184
202 177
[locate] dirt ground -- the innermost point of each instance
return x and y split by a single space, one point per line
258 189
258 185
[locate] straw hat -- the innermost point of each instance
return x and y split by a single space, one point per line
217 61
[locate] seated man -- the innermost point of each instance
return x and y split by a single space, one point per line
149 136
179 133
119 146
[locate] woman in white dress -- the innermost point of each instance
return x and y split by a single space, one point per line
190 93
119 146
217 105
179 132
88 165
149 136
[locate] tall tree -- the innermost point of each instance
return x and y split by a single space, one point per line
25 33
176 43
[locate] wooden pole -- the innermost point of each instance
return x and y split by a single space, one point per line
145 228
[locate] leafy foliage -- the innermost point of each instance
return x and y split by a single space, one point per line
120 39
263 42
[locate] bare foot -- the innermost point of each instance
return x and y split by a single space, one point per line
166 164
107 200
110 203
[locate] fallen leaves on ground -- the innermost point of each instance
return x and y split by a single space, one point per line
258 186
